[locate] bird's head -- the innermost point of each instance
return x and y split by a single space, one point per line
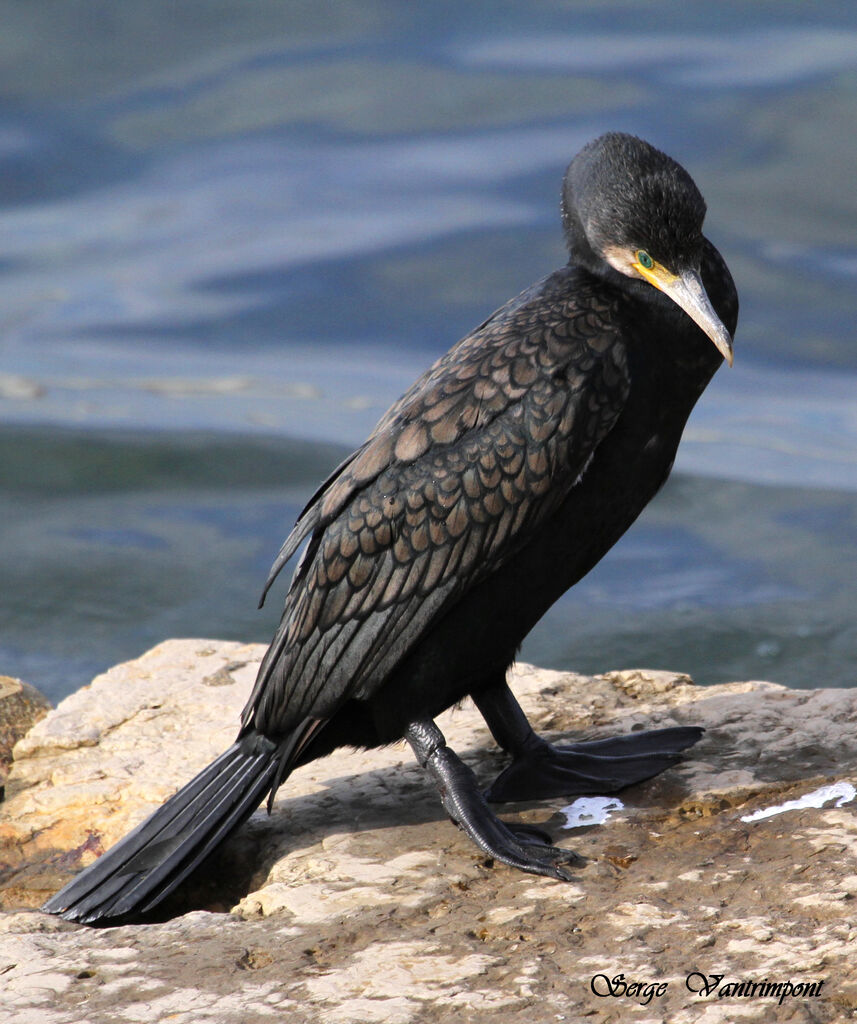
630 207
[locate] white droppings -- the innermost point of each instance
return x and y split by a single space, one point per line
590 810
841 792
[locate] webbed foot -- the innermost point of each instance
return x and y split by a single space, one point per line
541 770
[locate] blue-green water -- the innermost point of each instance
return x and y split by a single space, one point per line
231 233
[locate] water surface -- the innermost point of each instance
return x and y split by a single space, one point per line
231 234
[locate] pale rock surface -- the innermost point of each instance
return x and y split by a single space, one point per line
357 901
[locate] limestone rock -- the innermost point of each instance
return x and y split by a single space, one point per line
358 901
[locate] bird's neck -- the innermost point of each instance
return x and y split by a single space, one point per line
582 255
580 252
664 332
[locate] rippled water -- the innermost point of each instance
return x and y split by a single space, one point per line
231 234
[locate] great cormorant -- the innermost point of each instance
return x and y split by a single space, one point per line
495 483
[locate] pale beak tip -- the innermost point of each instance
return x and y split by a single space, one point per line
723 342
688 293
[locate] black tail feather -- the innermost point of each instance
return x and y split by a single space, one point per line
244 797
144 867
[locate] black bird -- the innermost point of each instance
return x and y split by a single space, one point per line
495 483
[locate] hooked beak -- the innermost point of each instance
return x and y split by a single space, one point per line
688 292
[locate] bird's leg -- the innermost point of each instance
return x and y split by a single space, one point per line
520 846
540 770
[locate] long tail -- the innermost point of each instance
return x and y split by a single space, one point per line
144 867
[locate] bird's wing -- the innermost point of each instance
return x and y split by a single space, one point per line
454 480
366 462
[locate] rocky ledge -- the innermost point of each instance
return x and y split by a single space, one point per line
357 901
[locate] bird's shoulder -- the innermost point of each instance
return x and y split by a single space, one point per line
566 319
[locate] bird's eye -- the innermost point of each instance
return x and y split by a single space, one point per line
644 259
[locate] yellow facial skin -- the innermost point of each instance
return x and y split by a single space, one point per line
688 292
651 270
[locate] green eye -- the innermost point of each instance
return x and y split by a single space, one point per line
644 259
